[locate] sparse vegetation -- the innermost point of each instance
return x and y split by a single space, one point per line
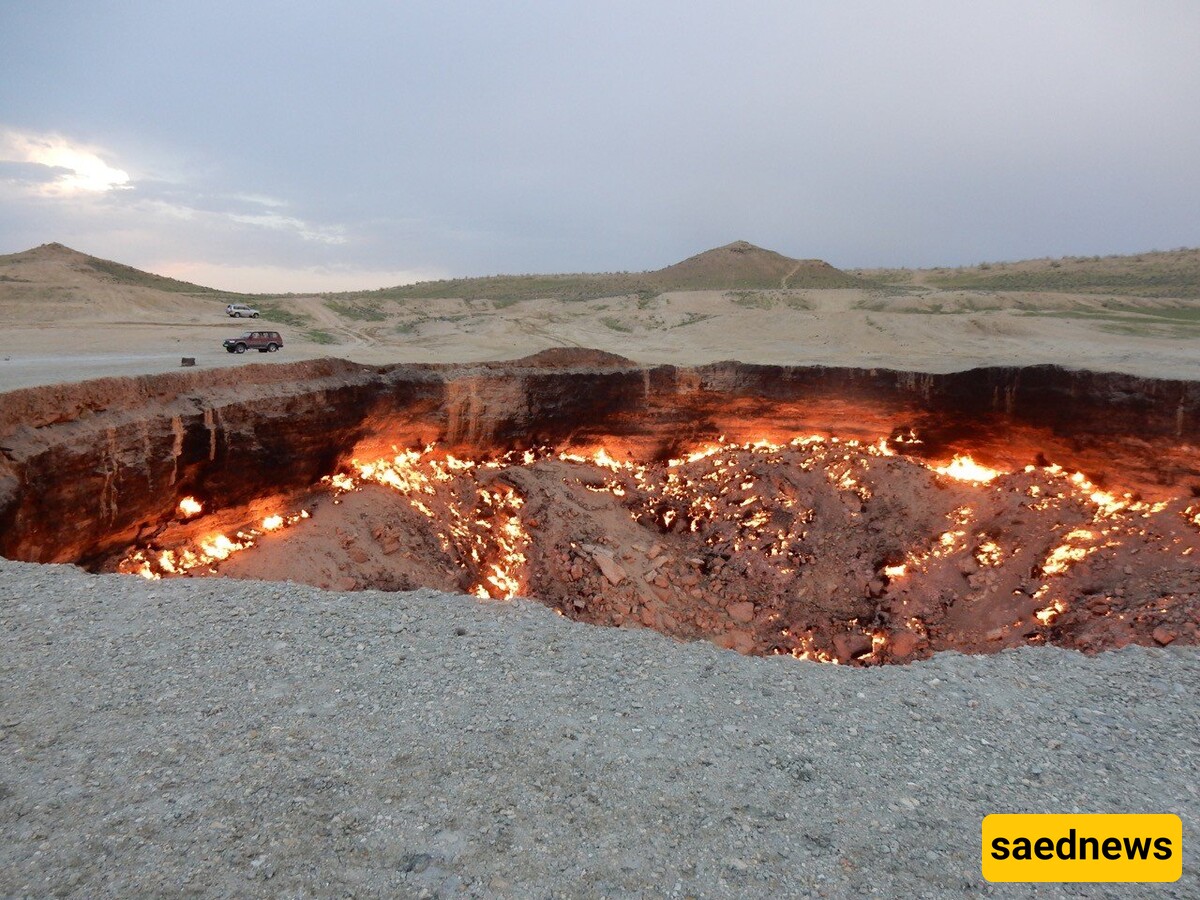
321 337
272 313
692 319
769 299
357 311
616 324
737 266
505 290
752 299
1174 273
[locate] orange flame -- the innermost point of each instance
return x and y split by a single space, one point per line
188 507
963 468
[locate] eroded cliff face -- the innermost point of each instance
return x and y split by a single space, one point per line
92 467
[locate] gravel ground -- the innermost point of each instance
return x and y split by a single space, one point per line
234 738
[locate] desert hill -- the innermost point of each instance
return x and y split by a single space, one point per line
737 266
741 265
56 266
53 284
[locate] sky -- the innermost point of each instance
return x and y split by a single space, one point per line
306 146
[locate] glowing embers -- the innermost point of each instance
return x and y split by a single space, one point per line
478 513
963 468
1076 546
744 486
189 507
1192 515
819 548
202 553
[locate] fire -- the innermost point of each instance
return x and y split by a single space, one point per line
485 534
1073 550
725 518
964 468
1192 515
188 507
1048 614
203 553
989 554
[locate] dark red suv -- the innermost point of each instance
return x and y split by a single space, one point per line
262 341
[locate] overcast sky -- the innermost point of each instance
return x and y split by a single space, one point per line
311 145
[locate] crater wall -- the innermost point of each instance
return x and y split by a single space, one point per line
89 467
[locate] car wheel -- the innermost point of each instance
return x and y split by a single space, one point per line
240 348
254 315
271 348
228 349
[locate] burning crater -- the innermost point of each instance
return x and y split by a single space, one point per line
848 516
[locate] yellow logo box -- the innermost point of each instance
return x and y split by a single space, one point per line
1086 847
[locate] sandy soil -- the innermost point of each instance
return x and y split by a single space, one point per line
77 332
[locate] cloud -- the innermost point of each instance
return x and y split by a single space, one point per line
60 168
72 190
326 235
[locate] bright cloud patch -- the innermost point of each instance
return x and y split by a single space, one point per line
282 279
76 168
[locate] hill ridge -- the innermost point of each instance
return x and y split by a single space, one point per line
106 270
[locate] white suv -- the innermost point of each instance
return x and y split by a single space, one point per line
240 311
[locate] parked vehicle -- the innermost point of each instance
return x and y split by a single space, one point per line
241 311
262 341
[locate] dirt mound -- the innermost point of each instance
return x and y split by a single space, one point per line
743 265
568 358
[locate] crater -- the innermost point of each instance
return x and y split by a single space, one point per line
844 515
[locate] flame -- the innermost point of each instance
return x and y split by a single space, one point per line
204 553
1048 614
485 533
1073 550
724 498
963 468
881 448
989 554
188 507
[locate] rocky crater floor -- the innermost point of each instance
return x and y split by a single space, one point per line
222 737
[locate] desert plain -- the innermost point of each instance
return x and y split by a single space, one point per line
65 316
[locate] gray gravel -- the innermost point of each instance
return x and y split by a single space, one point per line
232 738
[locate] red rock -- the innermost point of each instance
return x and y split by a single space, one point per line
851 645
741 612
743 643
1164 635
903 643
